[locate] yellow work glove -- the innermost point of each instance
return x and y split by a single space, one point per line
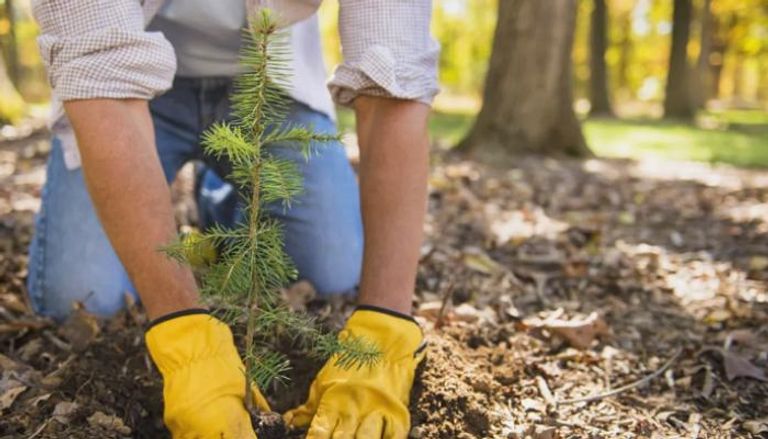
370 401
203 377
199 252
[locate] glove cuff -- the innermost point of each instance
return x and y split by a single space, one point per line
181 341
387 311
397 335
176 314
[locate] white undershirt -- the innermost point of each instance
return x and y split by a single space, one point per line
206 37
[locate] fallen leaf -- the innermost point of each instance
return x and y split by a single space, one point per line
64 410
544 432
579 333
20 325
80 328
746 337
718 316
430 310
466 313
7 364
533 405
100 419
738 367
10 391
758 263
38 399
478 260
756 426
30 350
298 295
13 303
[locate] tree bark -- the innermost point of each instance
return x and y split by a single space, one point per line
527 101
12 57
702 75
678 103
11 104
598 44
625 52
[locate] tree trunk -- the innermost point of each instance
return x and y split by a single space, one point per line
598 43
625 52
11 104
12 56
717 56
738 93
702 75
527 101
678 103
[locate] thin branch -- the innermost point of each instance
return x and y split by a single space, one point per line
629 386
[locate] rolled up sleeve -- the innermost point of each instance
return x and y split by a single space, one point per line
99 49
388 51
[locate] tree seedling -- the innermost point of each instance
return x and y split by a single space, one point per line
252 267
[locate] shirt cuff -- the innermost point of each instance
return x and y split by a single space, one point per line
378 72
109 63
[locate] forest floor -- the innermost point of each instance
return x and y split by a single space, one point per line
599 298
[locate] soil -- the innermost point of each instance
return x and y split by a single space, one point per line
543 286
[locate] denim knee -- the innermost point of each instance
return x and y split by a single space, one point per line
70 258
330 260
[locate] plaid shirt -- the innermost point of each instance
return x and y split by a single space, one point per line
100 49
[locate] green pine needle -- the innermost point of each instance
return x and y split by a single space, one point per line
280 180
223 140
267 367
300 137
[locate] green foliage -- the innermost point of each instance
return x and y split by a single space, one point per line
12 106
251 267
465 30
736 138
732 137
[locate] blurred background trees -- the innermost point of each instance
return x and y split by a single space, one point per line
22 79
701 63
678 102
598 69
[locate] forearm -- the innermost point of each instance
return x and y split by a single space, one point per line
126 184
394 159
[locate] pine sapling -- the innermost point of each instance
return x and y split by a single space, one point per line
252 266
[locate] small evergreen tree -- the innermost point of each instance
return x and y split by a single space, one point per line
252 267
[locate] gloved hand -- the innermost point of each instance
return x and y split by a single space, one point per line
203 377
366 402
199 252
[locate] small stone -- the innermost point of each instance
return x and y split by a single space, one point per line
416 433
466 313
430 310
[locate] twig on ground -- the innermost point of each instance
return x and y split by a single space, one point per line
447 297
629 386
540 281
39 430
577 425
544 390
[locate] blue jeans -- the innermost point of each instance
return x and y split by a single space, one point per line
71 259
